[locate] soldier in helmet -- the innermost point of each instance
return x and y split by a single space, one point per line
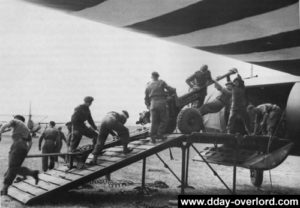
238 109
199 80
81 114
156 101
19 149
112 123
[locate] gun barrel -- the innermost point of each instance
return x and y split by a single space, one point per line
231 72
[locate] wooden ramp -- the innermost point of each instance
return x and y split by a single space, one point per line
63 179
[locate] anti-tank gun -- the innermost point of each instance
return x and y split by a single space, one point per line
187 119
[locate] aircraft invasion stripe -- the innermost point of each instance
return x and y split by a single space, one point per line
205 14
69 5
277 21
289 66
273 42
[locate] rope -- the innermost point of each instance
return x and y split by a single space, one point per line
270 141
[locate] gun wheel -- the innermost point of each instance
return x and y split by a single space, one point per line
189 120
256 177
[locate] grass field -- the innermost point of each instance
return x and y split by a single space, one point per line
285 180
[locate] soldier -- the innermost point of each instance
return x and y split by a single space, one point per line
112 122
51 136
199 80
69 135
21 145
238 110
81 114
156 101
221 101
266 117
59 142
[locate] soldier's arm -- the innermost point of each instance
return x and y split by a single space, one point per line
218 86
169 88
264 120
256 125
111 132
208 78
64 138
91 121
5 127
29 142
189 80
41 140
147 98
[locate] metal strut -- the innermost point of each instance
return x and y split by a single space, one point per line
212 169
166 166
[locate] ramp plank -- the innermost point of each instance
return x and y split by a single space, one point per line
34 190
64 175
63 179
53 179
19 195
42 184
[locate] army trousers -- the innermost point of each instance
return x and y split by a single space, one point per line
159 117
17 155
106 127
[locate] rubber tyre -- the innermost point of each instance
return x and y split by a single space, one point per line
256 177
189 120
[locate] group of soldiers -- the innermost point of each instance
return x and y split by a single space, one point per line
262 119
52 138
256 120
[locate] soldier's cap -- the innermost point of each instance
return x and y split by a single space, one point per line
125 113
88 99
20 118
155 74
204 68
52 123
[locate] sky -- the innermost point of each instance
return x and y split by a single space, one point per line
53 60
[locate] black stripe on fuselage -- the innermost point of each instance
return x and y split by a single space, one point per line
206 14
289 66
274 42
69 5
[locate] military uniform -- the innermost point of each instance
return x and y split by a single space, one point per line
199 80
221 101
112 122
51 136
273 120
266 118
156 101
59 143
238 111
17 154
81 114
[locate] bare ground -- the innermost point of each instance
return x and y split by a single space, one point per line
121 193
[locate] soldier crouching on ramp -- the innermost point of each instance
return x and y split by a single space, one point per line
81 114
19 149
156 101
112 122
